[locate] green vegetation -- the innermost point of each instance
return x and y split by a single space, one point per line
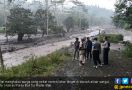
122 17
128 50
42 66
20 22
2 30
57 30
41 21
113 38
69 23
90 16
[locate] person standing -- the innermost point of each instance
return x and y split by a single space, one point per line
84 44
88 48
76 48
96 51
82 53
106 50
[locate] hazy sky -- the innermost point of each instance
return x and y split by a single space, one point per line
108 4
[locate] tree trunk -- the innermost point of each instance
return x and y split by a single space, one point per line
43 33
1 60
68 29
20 36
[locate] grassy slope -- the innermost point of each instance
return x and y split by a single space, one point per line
42 66
118 66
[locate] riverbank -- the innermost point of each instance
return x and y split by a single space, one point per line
20 56
41 49
34 40
60 63
127 34
38 66
118 66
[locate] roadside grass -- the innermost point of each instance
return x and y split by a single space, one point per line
42 66
113 38
127 52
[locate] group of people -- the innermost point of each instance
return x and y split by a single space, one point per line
90 50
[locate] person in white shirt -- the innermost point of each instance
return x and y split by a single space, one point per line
106 48
82 52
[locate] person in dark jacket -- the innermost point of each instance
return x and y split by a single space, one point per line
76 48
85 40
88 48
96 51
106 49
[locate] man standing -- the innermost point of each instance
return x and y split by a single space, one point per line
82 52
96 51
76 48
106 49
88 48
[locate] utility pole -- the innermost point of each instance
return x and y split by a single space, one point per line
5 20
1 60
80 24
47 16
79 18
56 13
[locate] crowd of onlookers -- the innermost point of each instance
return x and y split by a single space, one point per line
90 49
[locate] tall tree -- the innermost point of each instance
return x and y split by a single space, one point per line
123 14
84 24
20 22
41 19
69 23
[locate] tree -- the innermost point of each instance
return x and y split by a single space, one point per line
84 24
41 18
57 30
123 14
20 22
69 23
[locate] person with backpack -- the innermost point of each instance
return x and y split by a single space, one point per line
88 48
106 50
76 48
82 52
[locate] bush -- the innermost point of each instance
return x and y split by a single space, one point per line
113 38
2 30
128 51
57 30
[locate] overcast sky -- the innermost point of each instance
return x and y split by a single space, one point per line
108 4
